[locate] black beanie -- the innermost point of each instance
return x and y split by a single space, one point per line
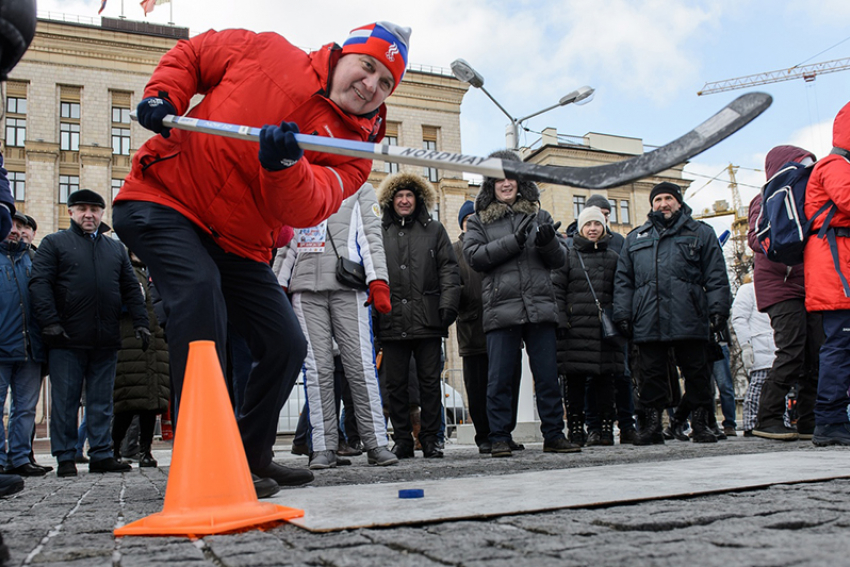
666 187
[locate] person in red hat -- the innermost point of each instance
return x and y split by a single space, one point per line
203 212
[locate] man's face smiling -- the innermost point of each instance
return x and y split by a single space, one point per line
360 83
404 201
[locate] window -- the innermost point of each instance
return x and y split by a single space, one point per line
391 139
429 142
578 205
67 184
18 184
624 212
69 110
121 141
16 132
612 218
120 115
117 184
69 137
16 105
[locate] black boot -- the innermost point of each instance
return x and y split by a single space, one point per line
607 432
676 430
575 429
650 430
145 457
699 423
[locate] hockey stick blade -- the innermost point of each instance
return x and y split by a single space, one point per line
729 120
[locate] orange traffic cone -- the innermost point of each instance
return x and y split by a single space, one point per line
210 490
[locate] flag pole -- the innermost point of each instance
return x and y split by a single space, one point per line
122 10
171 13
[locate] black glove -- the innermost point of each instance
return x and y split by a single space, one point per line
625 328
53 333
278 148
150 113
545 233
447 317
716 321
5 218
523 229
143 334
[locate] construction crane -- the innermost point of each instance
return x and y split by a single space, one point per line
740 224
806 72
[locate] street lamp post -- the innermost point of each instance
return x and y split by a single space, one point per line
465 73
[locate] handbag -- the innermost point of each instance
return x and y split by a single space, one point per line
348 272
610 332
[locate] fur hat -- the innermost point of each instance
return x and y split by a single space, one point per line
598 200
385 41
426 195
490 209
468 208
85 197
669 189
590 214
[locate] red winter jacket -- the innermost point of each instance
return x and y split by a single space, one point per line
218 183
830 180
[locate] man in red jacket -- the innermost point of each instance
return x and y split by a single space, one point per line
780 292
827 291
203 212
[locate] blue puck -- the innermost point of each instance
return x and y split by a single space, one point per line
411 493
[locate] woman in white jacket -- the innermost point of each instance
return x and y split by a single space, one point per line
755 337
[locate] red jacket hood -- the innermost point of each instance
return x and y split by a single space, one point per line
841 128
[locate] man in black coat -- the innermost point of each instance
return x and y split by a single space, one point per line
81 278
672 290
425 292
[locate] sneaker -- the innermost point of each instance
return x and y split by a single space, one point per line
831 434
730 431
66 468
779 432
323 460
346 450
381 456
284 476
10 484
265 487
403 451
109 464
560 445
300 450
500 449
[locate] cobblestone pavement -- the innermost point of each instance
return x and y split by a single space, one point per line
60 521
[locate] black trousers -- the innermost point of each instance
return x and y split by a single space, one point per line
581 391
121 422
798 336
654 381
396 366
202 289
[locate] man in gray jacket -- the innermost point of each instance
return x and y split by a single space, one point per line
671 290
328 309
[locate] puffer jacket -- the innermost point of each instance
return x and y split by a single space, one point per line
470 329
753 327
670 280
142 381
421 262
356 232
218 183
20 334
81 283
581 349
517 282
830 180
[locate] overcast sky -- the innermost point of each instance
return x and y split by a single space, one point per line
646 59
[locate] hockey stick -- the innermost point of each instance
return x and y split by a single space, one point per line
729 120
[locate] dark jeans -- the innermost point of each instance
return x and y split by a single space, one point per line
503 348
834 381
396 365
147 423
70 371
798 336
203 288
598 390
623 400
654 380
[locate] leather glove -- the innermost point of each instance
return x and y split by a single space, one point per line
625 328
523 229
278 148
545 233
53 333
748 357
5 218
379 296
151 111
716 322
143 334
447 317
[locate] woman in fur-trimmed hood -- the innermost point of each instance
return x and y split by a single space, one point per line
425 293
513 243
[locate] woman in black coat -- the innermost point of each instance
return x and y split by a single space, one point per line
582 352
